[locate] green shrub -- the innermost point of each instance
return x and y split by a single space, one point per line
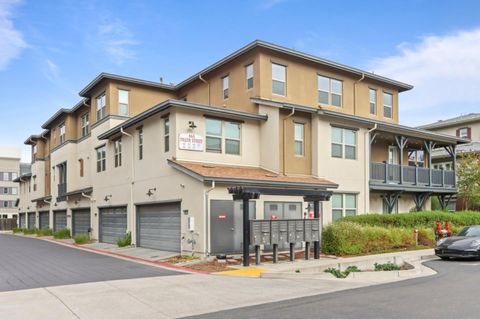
387 267
81 239
62 233
342 274
17 230
29 231
125 240
44 232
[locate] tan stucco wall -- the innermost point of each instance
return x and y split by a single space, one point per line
405 203
475 130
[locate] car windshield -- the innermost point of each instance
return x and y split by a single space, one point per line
470 232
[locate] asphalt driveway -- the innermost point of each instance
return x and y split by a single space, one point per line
31 263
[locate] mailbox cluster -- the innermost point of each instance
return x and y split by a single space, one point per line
285 231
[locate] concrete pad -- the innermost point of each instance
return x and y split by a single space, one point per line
137 252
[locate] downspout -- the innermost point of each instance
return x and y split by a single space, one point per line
285 140
207 224
132 182
367 164
91 210
355 93
208 84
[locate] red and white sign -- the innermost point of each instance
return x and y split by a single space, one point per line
222 216
190 142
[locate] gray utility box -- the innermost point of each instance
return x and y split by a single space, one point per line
284 231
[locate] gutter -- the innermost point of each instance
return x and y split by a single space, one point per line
355 93
208 84
132 182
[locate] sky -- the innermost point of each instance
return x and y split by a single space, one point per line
49 50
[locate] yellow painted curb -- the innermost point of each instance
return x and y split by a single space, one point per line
249 272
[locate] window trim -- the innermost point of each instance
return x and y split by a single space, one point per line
248 78
344 144
329 92
61 137
102 159
166 134
460 132
295 123
220 151
388 106
344 207
225 90
370 89
223 137
284 82
85 126
103 109
128 101
239 140
117 152
140 142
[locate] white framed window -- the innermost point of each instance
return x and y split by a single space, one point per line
14 191
14 176
166 134
344 143
101 106
101 158
330 91
279 79
6 176
249 76
299 138
463 132
372 93
232 138
225 84
61 132
213 135
123 102
343 205
140 143
387 105
85 124
118 152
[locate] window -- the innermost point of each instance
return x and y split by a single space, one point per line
387 104
344 143
278 79
140 143
61 131
14 176
85 124
34 183
343 205
5 190
373 101
101 107
80 164
329 91
101 158
166 135
416 158
225 87
463 132
6 176
14 191
249 75
123 102
214 135
232 138
35 149
299 136
118 152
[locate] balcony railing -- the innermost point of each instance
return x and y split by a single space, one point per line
412 175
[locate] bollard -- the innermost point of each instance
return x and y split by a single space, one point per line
316 249
292 253
416 236
257 254
307 250
275 253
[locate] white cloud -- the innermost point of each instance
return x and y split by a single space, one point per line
51 72
443 69
117 41
12 42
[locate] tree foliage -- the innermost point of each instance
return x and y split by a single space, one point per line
468 178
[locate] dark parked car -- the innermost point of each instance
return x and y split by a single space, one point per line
466 244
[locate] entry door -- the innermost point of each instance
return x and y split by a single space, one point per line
226 225
393 155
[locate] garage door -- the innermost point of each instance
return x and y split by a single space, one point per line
158 227
31 220
113 224
59 220
80 221
43 219
21 220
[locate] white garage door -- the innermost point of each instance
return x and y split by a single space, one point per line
159 227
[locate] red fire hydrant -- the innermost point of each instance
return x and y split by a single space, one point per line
440 232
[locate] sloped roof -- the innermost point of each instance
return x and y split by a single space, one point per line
467 118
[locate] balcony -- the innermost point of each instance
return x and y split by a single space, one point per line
62 191
393 174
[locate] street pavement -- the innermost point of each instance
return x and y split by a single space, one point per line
32 263
452 293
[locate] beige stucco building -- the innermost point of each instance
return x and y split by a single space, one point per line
9 171
157 159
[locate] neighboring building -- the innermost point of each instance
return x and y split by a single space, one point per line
157 159
464 126
9 170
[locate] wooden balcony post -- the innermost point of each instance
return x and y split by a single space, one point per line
401 142
416 175
386 172
429 146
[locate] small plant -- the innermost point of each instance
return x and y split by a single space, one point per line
342 274
44 232
62 234
386 267
297 271
81 239
29 231
125 240
17 230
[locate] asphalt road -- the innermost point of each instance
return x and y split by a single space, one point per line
32 263
453 293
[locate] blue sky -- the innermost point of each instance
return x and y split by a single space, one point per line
49 50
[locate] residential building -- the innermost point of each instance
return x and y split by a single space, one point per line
463 126
157 160
9 170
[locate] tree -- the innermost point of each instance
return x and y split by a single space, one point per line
468 178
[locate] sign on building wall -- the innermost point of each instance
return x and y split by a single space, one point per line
190 142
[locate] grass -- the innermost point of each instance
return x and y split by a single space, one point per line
386 267
30 231
342 274
125 240
17 230
44 232
81 239
62 234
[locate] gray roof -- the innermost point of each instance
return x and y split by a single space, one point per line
464 148
462 119
63 111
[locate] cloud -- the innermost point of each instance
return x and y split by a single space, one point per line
51 72
117 41
443 69
12 42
